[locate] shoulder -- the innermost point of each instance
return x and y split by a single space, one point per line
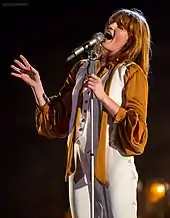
133 69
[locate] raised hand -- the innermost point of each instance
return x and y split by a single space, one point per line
26 72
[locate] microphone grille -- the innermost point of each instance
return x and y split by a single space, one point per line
99 36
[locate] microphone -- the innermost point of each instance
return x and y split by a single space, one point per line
97 38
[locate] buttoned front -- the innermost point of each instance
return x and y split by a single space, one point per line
84 113
84 123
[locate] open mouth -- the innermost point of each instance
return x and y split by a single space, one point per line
108 36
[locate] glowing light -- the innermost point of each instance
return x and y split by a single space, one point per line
156 192
161 189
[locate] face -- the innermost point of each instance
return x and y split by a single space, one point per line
120 38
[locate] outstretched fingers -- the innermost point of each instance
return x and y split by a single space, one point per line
22 66
15 69
27 64
16 75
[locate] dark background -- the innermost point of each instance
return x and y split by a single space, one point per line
33 167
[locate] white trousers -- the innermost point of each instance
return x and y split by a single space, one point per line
117 199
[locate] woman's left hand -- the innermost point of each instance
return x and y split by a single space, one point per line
95 84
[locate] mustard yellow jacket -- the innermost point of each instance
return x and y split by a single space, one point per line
52 120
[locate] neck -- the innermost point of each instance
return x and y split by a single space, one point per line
109 59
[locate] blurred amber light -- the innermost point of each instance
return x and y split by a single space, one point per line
156 192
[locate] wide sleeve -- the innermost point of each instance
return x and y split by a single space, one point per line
132 132
52 119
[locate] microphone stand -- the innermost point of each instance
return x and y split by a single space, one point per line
92 70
